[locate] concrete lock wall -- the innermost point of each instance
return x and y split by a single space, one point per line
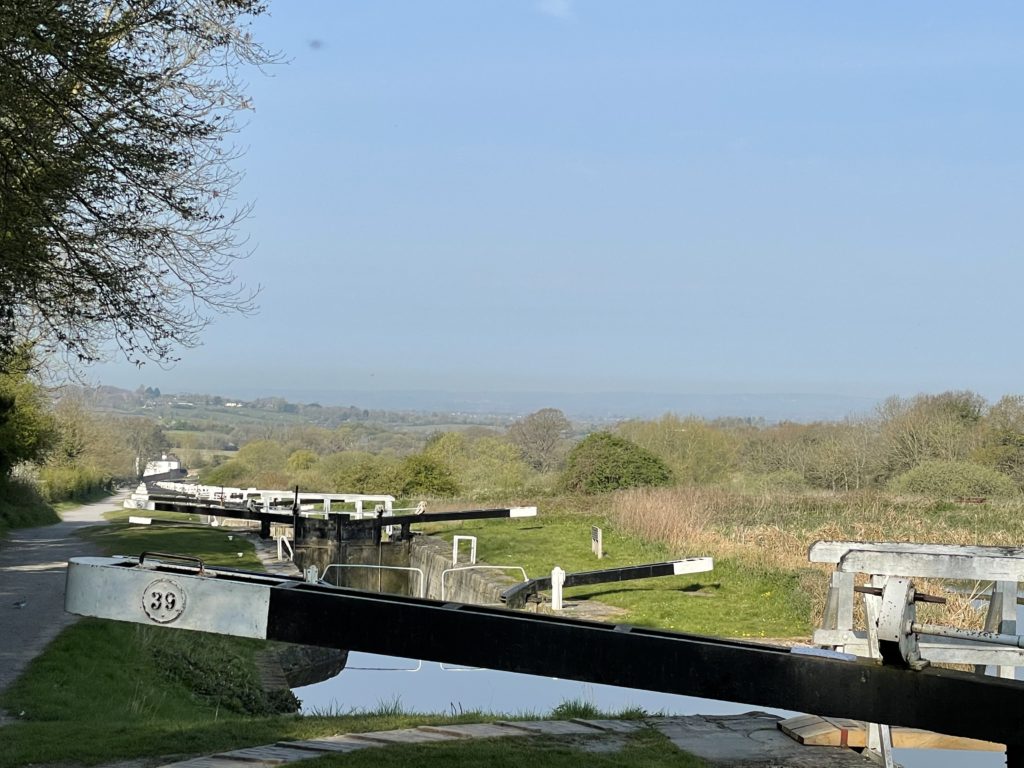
434 556
372 579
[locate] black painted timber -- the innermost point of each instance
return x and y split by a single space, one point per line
344 527
955 703
518 595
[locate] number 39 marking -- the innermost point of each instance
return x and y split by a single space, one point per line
163 601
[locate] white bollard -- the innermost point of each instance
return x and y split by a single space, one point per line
557 580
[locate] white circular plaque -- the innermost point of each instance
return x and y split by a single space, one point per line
163 601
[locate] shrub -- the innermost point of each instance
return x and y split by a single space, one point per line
64 483
606 462
232 474
953 478
21 506
783 481
426 476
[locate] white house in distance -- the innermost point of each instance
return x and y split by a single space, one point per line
166 464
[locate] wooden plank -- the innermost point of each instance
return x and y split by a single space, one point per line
947 651
834 732
932 565
834 551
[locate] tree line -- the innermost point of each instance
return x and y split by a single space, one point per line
950 444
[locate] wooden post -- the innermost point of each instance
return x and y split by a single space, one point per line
597 541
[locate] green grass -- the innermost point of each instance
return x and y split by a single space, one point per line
733 600
96 495
645 748
99 694
170 533
105 691
21 506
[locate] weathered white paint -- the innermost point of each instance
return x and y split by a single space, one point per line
693 565
455 549
99 586
557 582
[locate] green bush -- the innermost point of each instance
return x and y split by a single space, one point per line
427 476
232 474
64 483
953 479
21 506
606 462
783 481
219 670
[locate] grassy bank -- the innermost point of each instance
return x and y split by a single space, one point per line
771 533
644 748
107 691
732 600
21 506
762 584
174 534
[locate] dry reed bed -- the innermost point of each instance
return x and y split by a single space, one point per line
773 531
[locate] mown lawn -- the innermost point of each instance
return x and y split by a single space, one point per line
645 748
733 600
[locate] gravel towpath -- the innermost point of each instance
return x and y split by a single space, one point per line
33 562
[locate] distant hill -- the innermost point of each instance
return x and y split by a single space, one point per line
595 406
411 407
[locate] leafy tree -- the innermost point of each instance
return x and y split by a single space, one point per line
301 460
144 438
426 476
1002 438
606 462
27 430
946 479
695 451
117 218
493 468
373 474
539 437
941 427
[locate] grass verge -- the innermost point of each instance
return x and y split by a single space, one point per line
646 748
733 600
21 506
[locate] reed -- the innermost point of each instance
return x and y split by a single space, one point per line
773 531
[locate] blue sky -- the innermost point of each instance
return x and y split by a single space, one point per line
582 195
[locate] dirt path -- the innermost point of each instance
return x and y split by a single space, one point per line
33 562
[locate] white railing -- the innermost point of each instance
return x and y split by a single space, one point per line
472 549
882 561
283 544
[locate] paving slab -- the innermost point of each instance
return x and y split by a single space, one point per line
752 741
553 727
477 730
612 726
330 744
271 754
405 736
212 761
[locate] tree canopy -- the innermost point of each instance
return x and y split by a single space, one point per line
606 462
117 216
